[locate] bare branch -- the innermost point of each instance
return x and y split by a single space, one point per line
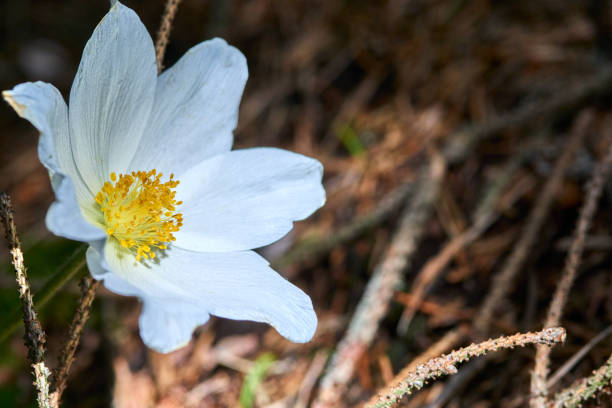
447 342
446 364
34 335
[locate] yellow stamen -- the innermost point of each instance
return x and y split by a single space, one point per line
138 211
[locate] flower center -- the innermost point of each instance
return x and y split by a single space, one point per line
139 210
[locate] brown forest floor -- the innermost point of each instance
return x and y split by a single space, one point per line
377 91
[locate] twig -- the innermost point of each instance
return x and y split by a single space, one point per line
448 341
313 248
539 390
164 32
484 216
585 388
446 364
375 301
519 401
503 280
60 375
34 335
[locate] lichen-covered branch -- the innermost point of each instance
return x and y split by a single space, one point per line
446 364
447 342
34 335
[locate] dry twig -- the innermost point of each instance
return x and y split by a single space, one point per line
375 301
447 342
164 32
446 364
34 335
539 390
60 375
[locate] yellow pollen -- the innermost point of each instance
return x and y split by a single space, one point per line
139 211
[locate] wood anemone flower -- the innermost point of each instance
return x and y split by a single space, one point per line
143 171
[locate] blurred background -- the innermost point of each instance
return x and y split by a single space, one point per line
372 89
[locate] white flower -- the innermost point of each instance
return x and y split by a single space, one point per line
181 242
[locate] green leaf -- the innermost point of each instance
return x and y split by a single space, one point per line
254 378
350 140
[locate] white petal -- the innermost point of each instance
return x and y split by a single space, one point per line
182 287
112 95
166 327
246 199
43 105
195 109
163 329
95 260
64 216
